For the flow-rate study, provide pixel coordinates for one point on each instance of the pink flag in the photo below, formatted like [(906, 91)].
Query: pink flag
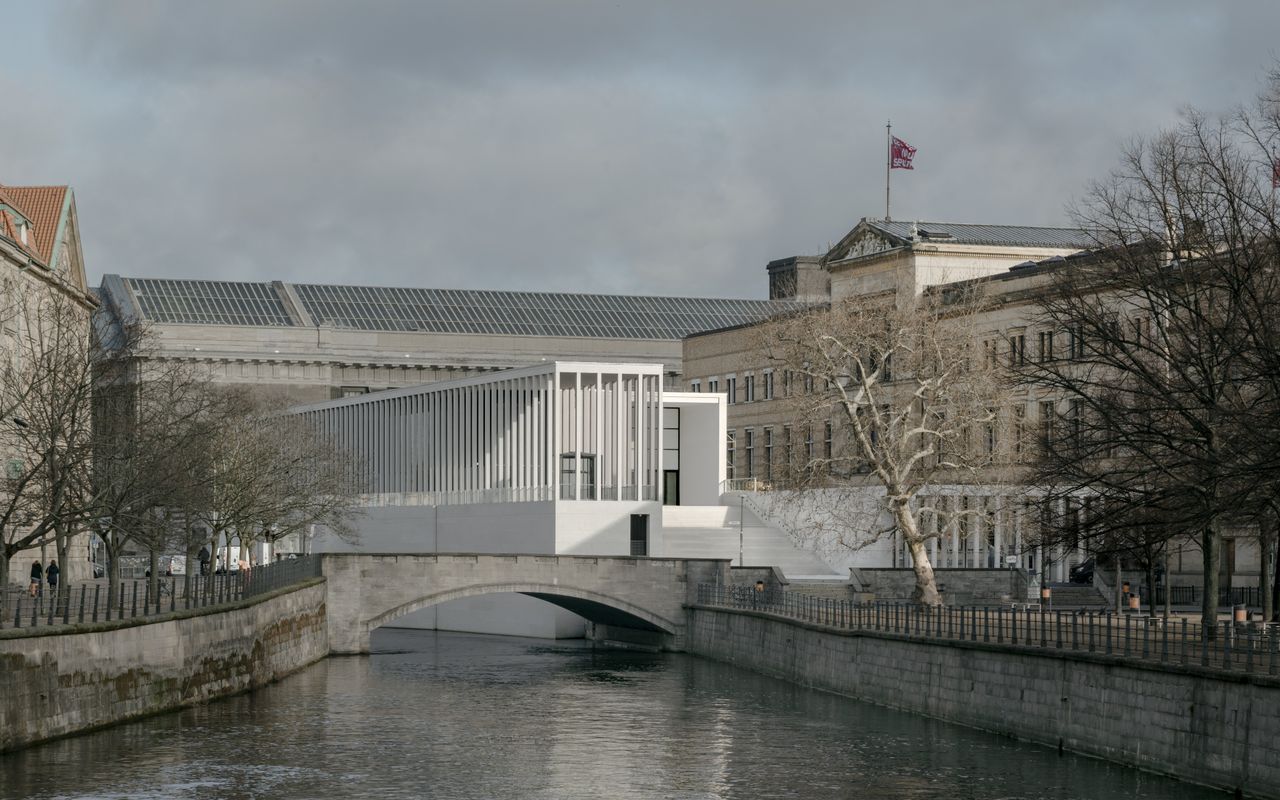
[(900, 154)]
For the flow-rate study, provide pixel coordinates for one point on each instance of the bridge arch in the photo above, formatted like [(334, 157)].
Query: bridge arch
[(590, 605)]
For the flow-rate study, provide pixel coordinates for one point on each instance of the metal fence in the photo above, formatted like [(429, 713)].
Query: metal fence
[(134, 599), (1190, 595), (1230, 646)]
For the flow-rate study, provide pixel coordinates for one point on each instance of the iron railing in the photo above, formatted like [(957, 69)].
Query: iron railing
[(88, 602), (1230, 646)]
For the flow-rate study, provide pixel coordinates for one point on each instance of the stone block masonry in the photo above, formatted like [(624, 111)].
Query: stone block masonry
[(55, 682), (1215, 729)]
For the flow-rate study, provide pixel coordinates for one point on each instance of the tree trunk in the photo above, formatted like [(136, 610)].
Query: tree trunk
[(1275, 595), (153, 582), (1168, 585), (926, 591), (1266, 543), (113, 570), (1119, 587), (1209, 540), (4, 582)]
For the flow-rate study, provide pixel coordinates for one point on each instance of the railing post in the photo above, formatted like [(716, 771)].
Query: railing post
[(133, 612), (1226, 645), (17, 613), (1108, 649), (80, 617), (97, 590)]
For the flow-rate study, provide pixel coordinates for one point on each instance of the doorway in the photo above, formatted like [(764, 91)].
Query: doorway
[(671, 487), (639, 534)]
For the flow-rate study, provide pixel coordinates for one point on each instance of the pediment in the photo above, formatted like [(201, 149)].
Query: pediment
[(864, 244)]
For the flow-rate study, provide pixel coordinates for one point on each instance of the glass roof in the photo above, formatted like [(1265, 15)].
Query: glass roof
[(523, 313), (209, 302), (461, 311)]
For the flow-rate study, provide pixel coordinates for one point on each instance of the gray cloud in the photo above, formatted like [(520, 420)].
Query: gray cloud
[(669, 148)]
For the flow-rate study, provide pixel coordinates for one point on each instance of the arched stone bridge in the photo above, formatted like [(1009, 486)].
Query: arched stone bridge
[(643, 597)]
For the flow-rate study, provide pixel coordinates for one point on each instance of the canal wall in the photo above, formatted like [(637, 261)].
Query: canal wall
[(1209, 728), (55, 682)]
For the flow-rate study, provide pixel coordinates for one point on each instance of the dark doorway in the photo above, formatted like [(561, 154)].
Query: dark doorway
[(671, 487), (639, 534)]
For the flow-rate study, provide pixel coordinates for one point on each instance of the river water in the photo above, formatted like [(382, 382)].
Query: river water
[(446, 715)]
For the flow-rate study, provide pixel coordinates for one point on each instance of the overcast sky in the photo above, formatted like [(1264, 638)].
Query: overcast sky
[(641, 147)]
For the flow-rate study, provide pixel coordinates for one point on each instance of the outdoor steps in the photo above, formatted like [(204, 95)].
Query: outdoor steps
[(762, 545), (1077, 597), (830, 588)]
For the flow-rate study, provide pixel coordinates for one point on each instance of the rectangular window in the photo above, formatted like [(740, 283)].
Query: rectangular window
[(729, 454), (588, 463), (808, 384), (1075, 343), (568, 466), (808, 446), (1046, 346), (768, 454), (989, 434), (749, 388), (768, 385), (713, 385), (731, 389), (695, 386), (1017, 350), (1047, 419), (1075, 423), (749, 456), (787, 378), (1019, 430), (788, 454), (826, 440), (988, 353)]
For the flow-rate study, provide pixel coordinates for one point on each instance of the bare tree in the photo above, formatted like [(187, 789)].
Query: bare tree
[(271, 474), (1168, 401), (902, 396), (45, 389)]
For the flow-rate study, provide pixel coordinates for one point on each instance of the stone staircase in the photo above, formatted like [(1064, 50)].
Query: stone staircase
[(713, 532), (1077, 597)]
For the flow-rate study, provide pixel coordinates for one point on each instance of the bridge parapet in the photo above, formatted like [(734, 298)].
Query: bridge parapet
[(368, 590)]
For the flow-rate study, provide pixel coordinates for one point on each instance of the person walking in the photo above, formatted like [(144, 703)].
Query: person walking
[(51, 575), (204, 560), (37, 575)]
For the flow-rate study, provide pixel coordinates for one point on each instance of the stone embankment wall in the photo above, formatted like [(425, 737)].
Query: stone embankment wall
[(54, 683), (1222, 731)]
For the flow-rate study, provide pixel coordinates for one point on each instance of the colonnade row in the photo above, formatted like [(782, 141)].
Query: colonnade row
[(510, 437), (977, 531)]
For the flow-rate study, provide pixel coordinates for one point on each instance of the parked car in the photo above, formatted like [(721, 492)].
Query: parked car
[(1082, 572)]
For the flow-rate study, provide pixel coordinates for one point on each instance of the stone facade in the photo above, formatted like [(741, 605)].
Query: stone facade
[(63, 681), (1191, 724)]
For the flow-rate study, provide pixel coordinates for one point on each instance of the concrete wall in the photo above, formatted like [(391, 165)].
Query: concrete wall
[(94, 675), (1194, 725), (702, 453), (959, 587)]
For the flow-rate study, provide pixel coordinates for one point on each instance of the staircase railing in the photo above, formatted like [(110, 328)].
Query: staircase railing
[(749, 502)]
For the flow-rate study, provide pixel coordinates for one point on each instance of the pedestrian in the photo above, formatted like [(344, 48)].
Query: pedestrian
[(51, 575), (37, 575), (204, 560)]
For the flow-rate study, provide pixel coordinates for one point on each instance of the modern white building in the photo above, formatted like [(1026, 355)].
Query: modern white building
[(560, 458)]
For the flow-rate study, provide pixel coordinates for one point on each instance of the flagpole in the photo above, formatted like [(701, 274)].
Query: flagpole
[(888, 159)]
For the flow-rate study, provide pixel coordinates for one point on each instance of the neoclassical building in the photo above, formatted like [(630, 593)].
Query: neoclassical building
[(313, 342), (879, 259)]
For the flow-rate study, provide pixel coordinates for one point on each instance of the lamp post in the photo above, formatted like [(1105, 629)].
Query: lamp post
[(742, 505)]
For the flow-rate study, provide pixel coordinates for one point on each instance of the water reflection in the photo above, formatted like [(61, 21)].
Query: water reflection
[(461, 716)]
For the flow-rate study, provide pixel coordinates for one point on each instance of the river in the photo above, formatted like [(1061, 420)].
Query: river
[(447, 715)]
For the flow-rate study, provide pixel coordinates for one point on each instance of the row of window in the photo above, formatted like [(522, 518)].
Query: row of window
[(747, 389), (742, 451), (776, 452), (1074, 341)]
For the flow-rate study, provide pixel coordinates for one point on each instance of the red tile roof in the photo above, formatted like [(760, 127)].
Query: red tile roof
[(42, 205)]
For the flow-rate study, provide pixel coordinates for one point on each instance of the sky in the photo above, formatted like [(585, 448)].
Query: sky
[(644, 147)]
